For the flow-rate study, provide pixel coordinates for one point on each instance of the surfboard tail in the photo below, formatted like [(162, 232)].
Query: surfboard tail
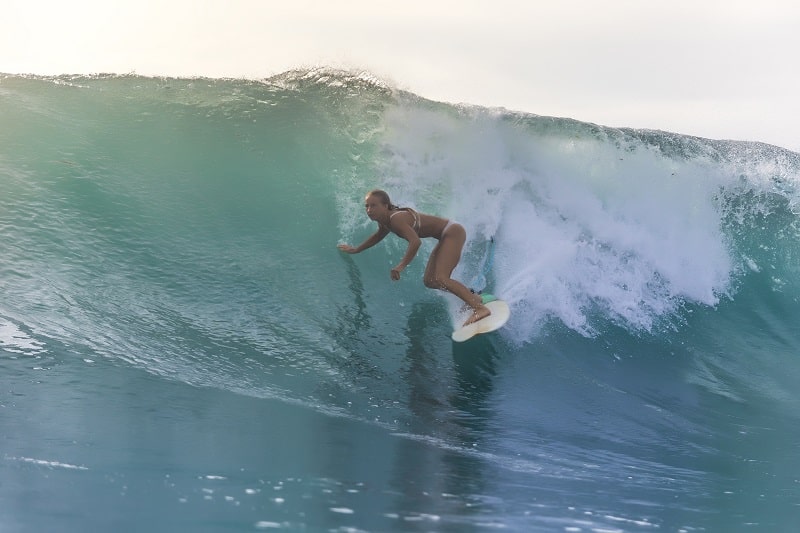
[(500, 315)]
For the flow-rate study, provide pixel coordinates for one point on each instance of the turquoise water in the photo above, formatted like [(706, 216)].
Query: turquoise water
[(182, 346)]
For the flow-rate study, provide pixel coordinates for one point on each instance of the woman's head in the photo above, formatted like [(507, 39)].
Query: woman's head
[(381, 196), (377, 203)]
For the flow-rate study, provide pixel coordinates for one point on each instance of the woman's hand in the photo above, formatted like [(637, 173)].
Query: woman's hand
[(395, 273), (346, 248)]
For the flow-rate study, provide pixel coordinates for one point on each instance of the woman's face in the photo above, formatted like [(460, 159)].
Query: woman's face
[(376, 210)]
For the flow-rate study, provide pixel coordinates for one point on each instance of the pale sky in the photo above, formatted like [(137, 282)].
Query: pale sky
[(723, 69)]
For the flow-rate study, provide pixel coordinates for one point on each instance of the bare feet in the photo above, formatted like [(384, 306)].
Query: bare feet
[(479, 313)]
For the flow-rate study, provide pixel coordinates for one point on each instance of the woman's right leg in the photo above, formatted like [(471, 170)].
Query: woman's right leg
[(443, 260)]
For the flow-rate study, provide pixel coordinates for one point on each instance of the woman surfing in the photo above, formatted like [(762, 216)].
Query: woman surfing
[(413, 227)]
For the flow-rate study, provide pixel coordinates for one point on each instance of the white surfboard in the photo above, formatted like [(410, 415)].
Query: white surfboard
[(498, 318)]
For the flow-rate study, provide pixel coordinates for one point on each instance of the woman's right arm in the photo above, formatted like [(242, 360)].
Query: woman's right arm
[(371, 241)]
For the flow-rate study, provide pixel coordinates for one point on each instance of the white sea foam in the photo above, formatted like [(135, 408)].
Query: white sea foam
[(589, 227), (14, 340)]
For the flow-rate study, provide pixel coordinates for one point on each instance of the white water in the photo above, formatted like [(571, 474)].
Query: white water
[(588, 228)]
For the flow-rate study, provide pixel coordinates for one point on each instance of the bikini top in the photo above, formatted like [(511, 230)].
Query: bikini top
[(416, 224)]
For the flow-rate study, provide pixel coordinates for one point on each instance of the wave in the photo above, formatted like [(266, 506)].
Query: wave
[(594, 227), (187, 227)]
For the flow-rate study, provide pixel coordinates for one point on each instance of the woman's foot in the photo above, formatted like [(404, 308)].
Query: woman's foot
[(480, 312)]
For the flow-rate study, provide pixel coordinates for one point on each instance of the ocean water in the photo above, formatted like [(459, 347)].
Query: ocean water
[(183, 348)]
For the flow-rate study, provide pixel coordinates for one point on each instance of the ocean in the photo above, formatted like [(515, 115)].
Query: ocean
[(184, 348)]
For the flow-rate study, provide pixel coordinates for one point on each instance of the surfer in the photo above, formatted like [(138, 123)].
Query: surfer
[(414, 226)]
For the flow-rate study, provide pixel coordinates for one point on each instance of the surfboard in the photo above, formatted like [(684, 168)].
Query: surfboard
[(498, 318)]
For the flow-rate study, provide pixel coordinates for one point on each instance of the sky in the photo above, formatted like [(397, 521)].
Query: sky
[(711, 68)]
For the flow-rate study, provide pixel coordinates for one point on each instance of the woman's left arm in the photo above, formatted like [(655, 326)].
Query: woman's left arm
[(404, 230)]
